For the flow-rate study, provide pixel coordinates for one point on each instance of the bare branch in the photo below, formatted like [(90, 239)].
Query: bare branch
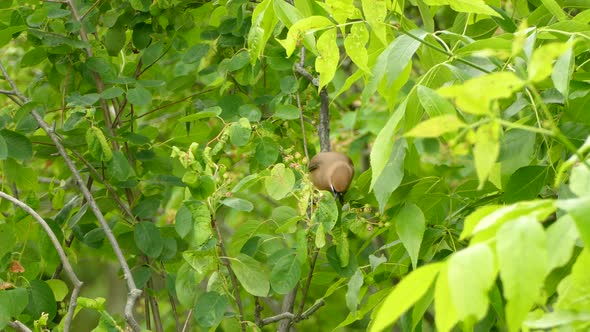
[(15, 90), (288, 304), (61, 253), (324, 126), (303, 72), (307, 283), (284, 315), (17, 325), (302, 125)]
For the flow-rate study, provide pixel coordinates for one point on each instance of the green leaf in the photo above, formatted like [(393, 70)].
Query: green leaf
[(384, 143), (493, 216), (393, 61), (209, 112), (12, 304), (41, 300), (263, 23), (267, 152), (563, 71), (118, 168), (354, 287), (238, 61), (25, 178), (469, 291), (238, 204), (465, 6), (326, 213), (19, 146), (114, 40), (251, 275), (59, 289), (210, 309), (404, 295), (525, 184), (392, 175), (326, 62), (193, 218), (6, 34), (486, 150), (139, 96), (280, 182), (561, 239), (250, 112), (286, 112), (98, 147), (239, 132), (3, 148), (555, 9), (375, 12), (33, 57), (573, 290), (476, 95), (433, 103), (112, 92), (285, 273), (141, 5), (355, 46), (522, 258), (148, 239), (446, 314), (410, 225), (436, 126), (541, 64), (302, 27), (580, 180)]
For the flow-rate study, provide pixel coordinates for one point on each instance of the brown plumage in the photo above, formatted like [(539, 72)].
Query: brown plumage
[(331, 171)]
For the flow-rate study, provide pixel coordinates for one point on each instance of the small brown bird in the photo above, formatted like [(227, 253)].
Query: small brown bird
[(331, 171)]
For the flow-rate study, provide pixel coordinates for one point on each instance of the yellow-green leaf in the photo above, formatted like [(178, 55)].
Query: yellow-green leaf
[(300, 28), (375, 12), (404, 295), (465, 6), (326, 62), (476, 95), (436, 126), (354, 44), (485, 150), (97, 144), (541, 64)]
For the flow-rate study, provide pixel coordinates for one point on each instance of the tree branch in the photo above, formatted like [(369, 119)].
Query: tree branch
[(287, 308), (307, 283), (279, 317), (134, 292), (17, 325), (61, 253)]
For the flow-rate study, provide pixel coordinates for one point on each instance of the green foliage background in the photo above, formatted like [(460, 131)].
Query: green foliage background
[(190, 123)]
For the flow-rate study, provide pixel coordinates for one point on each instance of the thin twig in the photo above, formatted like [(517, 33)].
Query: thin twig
[(89, 9), (17, 325), (61, 253), (7, 92), (307, 283), (187, 321), (232, 276), (110, 188), (302, 125), (257, 310), (171, 299), (171, 104)]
